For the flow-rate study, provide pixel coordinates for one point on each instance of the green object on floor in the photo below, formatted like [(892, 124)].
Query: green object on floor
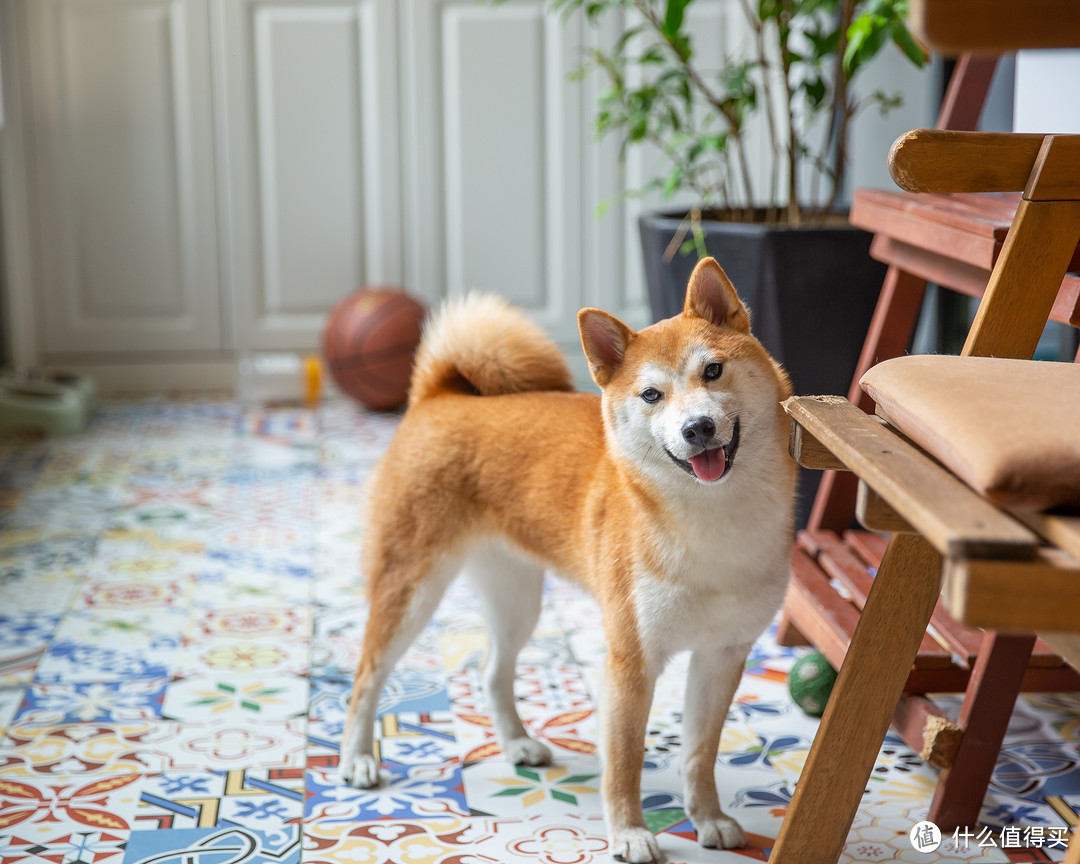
[(810, 682), (59, 405)]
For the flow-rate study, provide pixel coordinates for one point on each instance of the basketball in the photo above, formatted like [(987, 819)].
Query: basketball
[(369, 342)]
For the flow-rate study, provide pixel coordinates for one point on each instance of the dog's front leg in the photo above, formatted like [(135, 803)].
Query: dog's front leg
[(710, 687), (628, 693)]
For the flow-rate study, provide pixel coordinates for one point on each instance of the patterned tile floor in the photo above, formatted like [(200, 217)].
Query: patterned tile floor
[(180, 610)]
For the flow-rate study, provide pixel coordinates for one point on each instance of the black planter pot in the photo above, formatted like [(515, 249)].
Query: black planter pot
[(811, 292)]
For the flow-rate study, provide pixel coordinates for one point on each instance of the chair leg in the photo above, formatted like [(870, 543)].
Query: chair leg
[(787, 633), (1073, 855), (857, 717), (984, 717)]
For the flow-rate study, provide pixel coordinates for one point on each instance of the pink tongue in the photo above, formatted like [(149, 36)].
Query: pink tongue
[(709, 464)]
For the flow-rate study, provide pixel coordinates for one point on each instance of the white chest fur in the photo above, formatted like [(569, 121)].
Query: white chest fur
[(724, 581)]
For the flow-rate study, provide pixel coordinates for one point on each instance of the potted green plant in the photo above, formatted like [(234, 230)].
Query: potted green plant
[(798, 263)]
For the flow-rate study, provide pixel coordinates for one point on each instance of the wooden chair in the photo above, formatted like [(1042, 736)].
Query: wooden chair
[(953, 240), (946, 532)]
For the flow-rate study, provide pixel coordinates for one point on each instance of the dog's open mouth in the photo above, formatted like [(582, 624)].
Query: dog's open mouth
[(713, 463)]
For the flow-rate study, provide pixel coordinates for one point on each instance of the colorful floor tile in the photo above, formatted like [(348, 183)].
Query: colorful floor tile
[(181, 610)]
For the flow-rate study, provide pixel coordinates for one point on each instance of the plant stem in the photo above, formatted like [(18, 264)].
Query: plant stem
[(841, 113), (726, 111), (793, 210), (767, 92)]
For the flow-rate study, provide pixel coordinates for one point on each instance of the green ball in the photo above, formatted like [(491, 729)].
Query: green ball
[(810, 682)]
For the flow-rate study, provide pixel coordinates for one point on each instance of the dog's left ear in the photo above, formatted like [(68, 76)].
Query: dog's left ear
[(604, 339), (710, 295)]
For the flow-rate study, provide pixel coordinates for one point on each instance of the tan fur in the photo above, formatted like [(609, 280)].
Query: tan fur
[(479, 344), (550, 474)]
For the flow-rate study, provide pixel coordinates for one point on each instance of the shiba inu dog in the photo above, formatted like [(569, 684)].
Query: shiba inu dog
[(669, 496)]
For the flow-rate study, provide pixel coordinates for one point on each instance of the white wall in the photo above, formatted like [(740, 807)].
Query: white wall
[(463, 157), (1047, 95)]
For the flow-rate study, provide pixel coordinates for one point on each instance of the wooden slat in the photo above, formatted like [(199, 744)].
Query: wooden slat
[(916, 229), (840, 563), (952, 27), (1066, 644), (964, 641), (945, 630), (1015, 596), (934, 267), (868, 545), (1063, 531), (927, 730), (1026, 280), (1037, 679), (965, 278), (955, 520), (809, 452), (874, 512), (826, 619), (1062, 679), (832, 629), (937, 160), (986, 215)]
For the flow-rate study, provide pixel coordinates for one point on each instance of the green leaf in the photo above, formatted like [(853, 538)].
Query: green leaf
[(673, 17), (768, 9), (906, 43), (866, 35), (673, 182), (514, 790), (620, 46), (815, 91)]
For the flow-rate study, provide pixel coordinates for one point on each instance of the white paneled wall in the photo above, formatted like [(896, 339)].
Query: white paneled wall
[(207, 177), (499, 133), (123, 147), (309, 115)]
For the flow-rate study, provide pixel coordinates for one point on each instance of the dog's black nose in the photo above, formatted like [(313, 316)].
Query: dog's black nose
[(700, 430)]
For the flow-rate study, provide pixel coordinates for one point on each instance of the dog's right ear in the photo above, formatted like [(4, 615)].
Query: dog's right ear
[(710, 295), (604, 338)]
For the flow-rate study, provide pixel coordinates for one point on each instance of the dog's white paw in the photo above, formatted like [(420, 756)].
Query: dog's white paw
[(635, 846), (361, 771), (722, 832), (526, 751)]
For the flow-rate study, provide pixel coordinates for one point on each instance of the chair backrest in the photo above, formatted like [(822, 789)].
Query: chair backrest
[(1043, 238)]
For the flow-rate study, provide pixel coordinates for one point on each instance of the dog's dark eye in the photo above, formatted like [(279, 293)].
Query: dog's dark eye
[(713, 370), (651, 395)]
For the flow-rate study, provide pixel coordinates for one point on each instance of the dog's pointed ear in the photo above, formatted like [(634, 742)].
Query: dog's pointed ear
[(604, 338), (710, 295)]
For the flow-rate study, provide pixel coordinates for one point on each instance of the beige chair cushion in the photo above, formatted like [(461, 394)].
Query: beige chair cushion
[(1010, 429)]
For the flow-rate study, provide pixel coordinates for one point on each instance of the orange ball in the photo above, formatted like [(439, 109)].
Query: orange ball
[(369, 342)]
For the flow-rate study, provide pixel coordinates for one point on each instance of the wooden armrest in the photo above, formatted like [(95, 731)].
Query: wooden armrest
[(1044, 167), (955, 520)]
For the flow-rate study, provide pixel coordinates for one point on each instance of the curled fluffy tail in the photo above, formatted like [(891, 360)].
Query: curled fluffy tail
[(479, 344)]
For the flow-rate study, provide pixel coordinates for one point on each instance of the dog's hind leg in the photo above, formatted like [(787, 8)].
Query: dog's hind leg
[(402, 602), (510, 589)]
